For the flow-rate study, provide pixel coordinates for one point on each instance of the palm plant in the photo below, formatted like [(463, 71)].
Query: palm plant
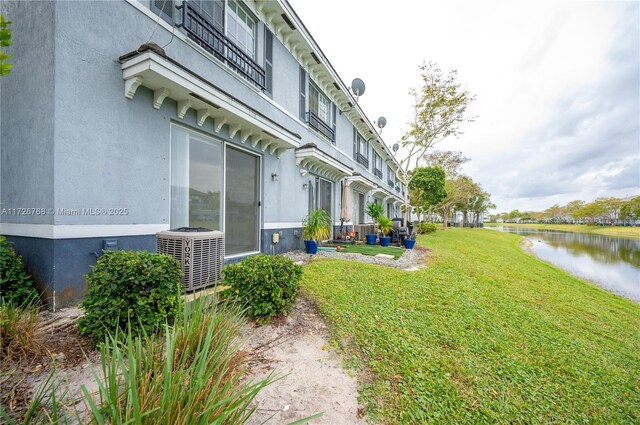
[(374, 210), (316, 226), (385, 225)]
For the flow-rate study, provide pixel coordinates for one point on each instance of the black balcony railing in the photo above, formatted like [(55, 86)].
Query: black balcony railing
[(362, 160), (321, 126), (377, 173), (398, 189), (203, 32), (391, 183)]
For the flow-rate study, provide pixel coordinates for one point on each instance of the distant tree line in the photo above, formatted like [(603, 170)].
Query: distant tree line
[(602, 211)]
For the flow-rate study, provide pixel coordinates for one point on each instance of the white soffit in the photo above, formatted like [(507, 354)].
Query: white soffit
[(360, 183), (318, 162), (166, 79)]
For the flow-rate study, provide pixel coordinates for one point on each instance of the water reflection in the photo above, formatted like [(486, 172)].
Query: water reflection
[(612, 262)]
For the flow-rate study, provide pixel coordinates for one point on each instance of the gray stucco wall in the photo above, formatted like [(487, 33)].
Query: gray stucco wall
[(27, 112), (71, 140)]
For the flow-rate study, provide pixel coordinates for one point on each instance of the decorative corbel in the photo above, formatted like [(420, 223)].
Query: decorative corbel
[(131, 85), (203, 114), (218, 122), (183, 107), (233, 130), (159, 96)]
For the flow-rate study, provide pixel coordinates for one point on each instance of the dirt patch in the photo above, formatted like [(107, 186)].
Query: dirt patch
[(294, 347), (312, 380)]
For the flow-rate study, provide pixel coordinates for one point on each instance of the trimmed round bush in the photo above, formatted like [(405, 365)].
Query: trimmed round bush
[(268, 284), (426, 228), (16, 286), (131, 287)]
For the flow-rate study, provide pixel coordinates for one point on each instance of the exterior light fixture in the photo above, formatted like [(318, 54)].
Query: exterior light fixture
[(274, 177), (305, 186)]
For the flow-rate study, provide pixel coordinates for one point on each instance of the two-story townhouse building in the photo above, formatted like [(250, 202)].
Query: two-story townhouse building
[(124, 118)]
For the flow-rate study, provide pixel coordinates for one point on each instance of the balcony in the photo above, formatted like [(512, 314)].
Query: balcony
[(316, 123), (391, 183), (215, 42), (377, 173), (398, 189), (362, 160)]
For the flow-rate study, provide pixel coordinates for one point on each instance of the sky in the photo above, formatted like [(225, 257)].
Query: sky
[(557, 86)]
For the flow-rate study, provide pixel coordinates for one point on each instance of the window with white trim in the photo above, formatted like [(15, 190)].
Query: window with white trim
[(241, 28), (360, 149), (321, 112)]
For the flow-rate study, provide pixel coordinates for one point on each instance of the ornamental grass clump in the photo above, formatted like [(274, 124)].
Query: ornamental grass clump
[(192, 375), (133, 287), (20, 340), (267, 284)]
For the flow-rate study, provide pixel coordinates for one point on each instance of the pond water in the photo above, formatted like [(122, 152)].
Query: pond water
[(613, 263)]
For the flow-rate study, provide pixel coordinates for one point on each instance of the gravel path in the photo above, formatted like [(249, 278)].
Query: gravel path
[(411, 259)]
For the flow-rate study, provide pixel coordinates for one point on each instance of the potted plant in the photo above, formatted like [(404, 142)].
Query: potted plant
[(315, 227), (374, 211), (410, 241), (385, 225)]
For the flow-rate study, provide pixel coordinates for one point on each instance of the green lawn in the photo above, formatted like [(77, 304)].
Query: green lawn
[(372, 250), (484, 334), (626, 232)]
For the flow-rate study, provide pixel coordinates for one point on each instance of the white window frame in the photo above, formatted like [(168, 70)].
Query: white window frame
[(249, 16)]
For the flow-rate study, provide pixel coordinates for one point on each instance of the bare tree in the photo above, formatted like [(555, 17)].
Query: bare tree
[(439, 110)]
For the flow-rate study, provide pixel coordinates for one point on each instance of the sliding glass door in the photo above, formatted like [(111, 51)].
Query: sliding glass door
[(242, 207), (202, 169)]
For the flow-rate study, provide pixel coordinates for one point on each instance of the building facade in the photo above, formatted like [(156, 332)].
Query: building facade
[(124, 118)]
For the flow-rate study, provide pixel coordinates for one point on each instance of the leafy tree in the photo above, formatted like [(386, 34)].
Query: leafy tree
[(457, 190), (5, 41), (427, 186), (450, 161), (630, 210), (440, 108), (572, 209)]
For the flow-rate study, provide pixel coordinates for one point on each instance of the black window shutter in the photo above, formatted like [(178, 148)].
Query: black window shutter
[(355, 143), (268, 60), (303, 94), (333, 120)]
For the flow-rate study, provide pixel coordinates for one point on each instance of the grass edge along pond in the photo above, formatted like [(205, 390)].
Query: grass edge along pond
[(485, 333), (617, 231)]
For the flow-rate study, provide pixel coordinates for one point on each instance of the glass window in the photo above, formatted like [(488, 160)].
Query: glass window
[(362, 146), (241, 28), (196, 180), (319, 104), (324, 195)]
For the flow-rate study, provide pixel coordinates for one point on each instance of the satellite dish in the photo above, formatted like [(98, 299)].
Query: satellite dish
[(395, 147), (357, 87), (382, 121)]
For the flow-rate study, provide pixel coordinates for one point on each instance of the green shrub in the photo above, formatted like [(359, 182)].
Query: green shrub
[(16, 286), (139, 286), (267, 283), (426, 228)]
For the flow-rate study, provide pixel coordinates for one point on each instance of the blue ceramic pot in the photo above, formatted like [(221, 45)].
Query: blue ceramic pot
[(409, 243), (385, 240), (371, 239), (311, 246)]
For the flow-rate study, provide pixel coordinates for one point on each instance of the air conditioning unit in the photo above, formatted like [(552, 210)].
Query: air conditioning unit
[(362, 230), (199, 251)]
